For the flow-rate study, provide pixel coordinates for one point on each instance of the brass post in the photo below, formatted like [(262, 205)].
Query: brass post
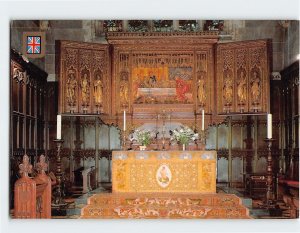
[(270, 188), (58, 197)]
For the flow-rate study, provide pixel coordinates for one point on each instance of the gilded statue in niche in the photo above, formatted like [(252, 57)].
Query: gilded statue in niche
[(71, 88), (98, 89), (242, 88), (228, 89), (255, 87), (201, 89), (85, 89), (124, 89)]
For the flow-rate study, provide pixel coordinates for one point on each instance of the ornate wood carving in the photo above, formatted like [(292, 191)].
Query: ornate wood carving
[(32, 196), (170, 70), (156, 38), (84, 77), (243, 77), (154, 71), (25, 167)]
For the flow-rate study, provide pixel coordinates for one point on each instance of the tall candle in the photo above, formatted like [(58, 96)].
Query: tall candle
[(202, 119), (124, 120), (269, 126), (58, 127)]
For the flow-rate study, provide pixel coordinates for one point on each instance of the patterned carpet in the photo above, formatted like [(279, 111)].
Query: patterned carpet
[(164, 205)]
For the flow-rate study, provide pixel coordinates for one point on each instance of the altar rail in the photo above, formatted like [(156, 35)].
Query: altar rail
[(33, 195)]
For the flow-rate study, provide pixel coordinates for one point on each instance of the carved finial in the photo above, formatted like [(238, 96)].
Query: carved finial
[(25, 167), (42, 165)]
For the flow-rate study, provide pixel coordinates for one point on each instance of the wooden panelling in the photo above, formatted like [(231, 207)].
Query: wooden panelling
[(28, 121)]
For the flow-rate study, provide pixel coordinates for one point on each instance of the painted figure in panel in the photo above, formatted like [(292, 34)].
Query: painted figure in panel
[(85, 90), (98, 90), (71, 89), (201, 90), (124, 89), (255, 87), (227, 89), (242, 88)]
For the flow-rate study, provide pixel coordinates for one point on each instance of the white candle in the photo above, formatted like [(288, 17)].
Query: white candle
[(269, 126), (202, 119), (58, 127), (124, 120)]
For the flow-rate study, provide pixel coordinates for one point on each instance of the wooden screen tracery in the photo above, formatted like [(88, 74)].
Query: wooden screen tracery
[(84, 72), (243, 77)]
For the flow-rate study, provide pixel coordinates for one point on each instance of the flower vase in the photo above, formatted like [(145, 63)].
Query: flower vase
[(143, 147), (183, 147)]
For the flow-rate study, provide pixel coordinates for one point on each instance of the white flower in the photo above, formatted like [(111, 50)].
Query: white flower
[(184, 135)]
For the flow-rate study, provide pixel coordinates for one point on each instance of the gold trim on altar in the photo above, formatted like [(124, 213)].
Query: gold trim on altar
[(164, 171)]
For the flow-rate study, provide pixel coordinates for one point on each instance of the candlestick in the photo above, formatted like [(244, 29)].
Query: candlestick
[(124, 120), (270, 187), (58, 201), (58, 127), (269, 126), (202, 119)]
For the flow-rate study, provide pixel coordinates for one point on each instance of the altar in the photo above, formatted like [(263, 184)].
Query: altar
[(164, 171)]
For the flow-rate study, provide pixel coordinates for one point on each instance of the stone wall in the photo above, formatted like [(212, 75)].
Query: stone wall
[(292, 41), (16, 37), (76, 30), (262, 29)]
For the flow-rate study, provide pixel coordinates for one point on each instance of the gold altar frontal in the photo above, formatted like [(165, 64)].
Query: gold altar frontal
[(164, 171)]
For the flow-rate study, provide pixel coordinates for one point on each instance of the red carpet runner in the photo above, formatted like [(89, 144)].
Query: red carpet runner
[(165, 205)]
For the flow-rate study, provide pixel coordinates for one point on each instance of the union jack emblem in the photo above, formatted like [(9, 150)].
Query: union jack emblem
[(33, 44)]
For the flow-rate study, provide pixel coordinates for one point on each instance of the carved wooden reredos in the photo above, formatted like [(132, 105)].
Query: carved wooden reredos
[(180, 73), (84, 71)]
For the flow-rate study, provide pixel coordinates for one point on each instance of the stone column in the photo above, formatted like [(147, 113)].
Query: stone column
[(175, 25), (98, 27), (86, 180), (125, 25), (200, 25), (150, 25)]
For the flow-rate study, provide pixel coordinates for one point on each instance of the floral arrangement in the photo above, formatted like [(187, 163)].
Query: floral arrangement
[(184, 135), (143, 137)]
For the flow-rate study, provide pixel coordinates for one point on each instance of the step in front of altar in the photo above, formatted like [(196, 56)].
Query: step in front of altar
[(165, 205)]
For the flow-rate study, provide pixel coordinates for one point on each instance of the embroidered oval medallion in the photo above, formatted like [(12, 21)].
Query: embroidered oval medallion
[(163, 176)]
